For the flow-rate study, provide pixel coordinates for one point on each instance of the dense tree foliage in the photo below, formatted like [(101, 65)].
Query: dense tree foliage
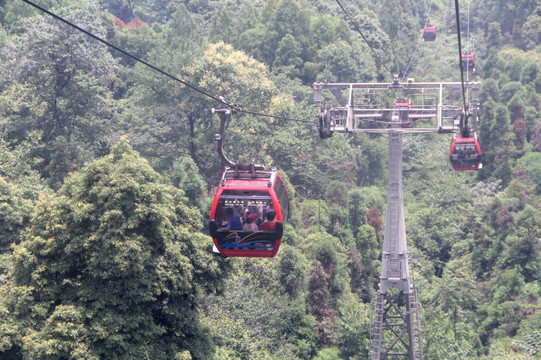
[(15, 213), (112, 265), (65, 75), (107, 171)]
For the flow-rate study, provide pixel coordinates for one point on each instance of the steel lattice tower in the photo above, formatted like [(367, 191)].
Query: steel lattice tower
[(395, 329), (395, 332)]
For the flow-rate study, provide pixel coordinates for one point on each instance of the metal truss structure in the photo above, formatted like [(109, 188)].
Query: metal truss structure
[(368, 110), (395, 329)]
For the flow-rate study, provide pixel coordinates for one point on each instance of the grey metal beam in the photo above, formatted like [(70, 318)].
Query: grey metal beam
[(396, 304), (412, 85)]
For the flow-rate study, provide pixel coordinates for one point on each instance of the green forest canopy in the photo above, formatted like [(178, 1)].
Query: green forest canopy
[(107, 170)]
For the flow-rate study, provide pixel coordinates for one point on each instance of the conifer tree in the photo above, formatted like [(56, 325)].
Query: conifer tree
[(111, 267), (14, 214)]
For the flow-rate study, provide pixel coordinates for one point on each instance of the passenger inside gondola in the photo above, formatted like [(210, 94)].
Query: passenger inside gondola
[(250, 225), (250, 204), (270, 223), (465, 155), (242, 232), (429, 33), (233, 221), (245, 214), (467, 63)]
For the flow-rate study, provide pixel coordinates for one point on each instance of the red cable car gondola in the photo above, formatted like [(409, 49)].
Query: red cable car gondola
[(258, 195), (250, 207), (429, 33), (465, 153), (401, 108), (467, 63)]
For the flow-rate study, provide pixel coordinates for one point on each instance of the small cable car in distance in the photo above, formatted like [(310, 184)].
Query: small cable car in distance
[(467, 62), (429, 33), (250, 207), (465, 153), (400, 114), (258, 197)]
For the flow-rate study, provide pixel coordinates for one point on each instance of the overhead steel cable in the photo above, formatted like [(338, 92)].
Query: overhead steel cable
[(364, 38), (460, 53), (193, 87), (468, 45), (255, 113), (418, 42)]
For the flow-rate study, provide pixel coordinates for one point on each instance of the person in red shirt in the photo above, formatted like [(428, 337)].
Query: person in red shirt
[(270, 223)]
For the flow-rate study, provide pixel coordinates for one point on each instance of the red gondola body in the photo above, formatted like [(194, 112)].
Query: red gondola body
[(257, 193), (401, 109), (465, 153), (429, 33), (467, 64)]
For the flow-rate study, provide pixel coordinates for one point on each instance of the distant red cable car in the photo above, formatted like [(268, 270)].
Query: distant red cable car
[(429, 33), (467, 63), (254, 196), (401, 109), (465, 153)]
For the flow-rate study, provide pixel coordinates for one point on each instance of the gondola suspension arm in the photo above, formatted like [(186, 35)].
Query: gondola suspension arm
[(225, 117)]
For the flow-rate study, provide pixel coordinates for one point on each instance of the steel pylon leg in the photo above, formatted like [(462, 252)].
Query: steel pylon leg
[(395, 331)]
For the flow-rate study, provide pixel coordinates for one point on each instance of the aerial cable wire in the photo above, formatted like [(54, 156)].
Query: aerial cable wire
[(364, 38), (469, 46), (460, 52), (123, 51), (193, 87), (418, 42)]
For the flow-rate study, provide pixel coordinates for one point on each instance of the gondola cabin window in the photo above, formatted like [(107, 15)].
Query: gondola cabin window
[(467, 63), (465, 153), (256, 203), (248, 214), (429, 33)]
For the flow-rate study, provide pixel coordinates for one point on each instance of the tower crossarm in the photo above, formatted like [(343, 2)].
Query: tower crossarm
[(430, 106), (394, 109)]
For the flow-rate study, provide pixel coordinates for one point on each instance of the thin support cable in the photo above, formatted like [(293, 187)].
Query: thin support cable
[(469, 48), (418, 43), (193, 87), (460, 52), (364, 38)]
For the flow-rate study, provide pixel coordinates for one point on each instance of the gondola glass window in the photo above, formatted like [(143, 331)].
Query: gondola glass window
[(257, 203), (465, 153), (243, 199)]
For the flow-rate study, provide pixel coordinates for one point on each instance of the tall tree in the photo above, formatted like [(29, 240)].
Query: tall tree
[(174, 120), (14, 214), (343, 62), (509, 14), (112, 266), (400, 24), (360, 201), (497, 141), (186, 176), (67, 74), (292, 272)]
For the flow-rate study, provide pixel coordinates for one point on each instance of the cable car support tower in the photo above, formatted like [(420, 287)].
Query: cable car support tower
[(395, 329)]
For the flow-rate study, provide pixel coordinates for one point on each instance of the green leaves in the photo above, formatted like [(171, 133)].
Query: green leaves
[(65, 336), (113, 264), (65, 77), (113, 244), (14, 214)]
